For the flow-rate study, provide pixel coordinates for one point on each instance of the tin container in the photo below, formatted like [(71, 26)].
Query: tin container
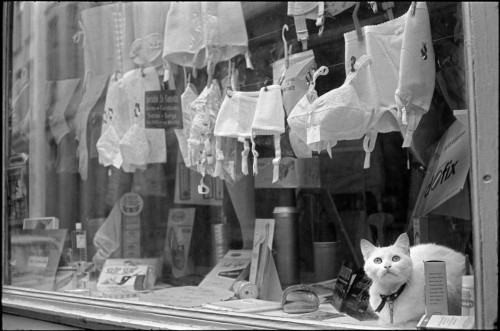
[(286, 242), (245, 290)]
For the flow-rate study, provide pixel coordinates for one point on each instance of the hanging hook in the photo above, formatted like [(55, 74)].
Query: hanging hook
[(353, 61), (142, 72), (322, 71), (355, 19), (203, 188), (285, 27)]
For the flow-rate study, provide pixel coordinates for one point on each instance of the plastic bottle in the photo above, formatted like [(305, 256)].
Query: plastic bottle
[(79, 244)]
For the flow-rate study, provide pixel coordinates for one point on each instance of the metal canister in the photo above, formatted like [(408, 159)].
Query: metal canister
[(245, 290), (286, 240), (220, 244)]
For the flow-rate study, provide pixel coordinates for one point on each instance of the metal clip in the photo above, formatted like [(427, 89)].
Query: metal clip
[(413, 7)]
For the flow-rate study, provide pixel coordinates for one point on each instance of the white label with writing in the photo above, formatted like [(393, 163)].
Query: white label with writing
[(38, 261)]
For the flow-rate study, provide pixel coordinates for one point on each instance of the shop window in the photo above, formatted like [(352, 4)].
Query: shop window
[(174, 154)]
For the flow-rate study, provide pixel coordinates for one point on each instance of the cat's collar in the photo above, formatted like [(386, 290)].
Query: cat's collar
[(389, 297)]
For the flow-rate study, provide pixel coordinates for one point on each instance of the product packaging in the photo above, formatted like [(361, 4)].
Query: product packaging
[(128, 276), (179, 231), (436, 290), (446, 322), (131, 205), (468, 295), (234, 266)]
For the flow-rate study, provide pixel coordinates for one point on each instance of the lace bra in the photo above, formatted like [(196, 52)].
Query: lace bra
[(337, 115)]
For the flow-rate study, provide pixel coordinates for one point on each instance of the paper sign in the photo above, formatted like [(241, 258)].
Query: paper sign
[(163, 110), (447, 171)]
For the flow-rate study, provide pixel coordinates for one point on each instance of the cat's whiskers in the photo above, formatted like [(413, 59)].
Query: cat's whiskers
[(400, 274)]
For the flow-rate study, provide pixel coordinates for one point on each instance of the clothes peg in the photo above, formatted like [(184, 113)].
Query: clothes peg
[(373, 6), (387, 6), (320, 21), (413, 7), (356, 22)]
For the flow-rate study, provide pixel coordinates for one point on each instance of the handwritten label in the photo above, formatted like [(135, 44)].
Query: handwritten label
[(163, 110), (38, 261)]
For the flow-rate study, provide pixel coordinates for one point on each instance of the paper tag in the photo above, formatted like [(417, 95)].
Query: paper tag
[(313, 134), (38, 261)]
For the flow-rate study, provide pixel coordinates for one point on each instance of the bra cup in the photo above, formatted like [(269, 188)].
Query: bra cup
[(340, 113), (108, 146), (134, 146)]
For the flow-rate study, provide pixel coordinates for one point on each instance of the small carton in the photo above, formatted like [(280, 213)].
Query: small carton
[(444, 322), (235, 265), (436, 290), (126, 278)]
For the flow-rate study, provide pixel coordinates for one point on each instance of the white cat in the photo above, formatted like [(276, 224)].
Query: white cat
[(392, 266)]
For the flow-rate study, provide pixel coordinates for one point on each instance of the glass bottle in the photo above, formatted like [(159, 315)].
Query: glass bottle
[(79, 243)]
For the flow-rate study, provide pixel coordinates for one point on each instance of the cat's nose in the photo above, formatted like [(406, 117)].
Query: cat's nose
[(387, 266)]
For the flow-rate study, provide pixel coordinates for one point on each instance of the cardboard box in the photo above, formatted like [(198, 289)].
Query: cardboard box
[(178, 241), (235, 265), (41, 223), (131, 205), (436, 290), (446, 322), (126, 277), (155, 263)]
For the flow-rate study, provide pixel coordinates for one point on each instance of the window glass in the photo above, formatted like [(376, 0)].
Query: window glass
[(160, 151)]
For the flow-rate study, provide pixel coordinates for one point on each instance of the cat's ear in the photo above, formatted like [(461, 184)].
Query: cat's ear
[(403, 242), (366, 248)]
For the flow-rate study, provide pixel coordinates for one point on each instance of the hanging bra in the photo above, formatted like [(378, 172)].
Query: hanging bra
[(108, 145), (269, 119), (187, 98), (235, 120), (337, 115), (134, 147)]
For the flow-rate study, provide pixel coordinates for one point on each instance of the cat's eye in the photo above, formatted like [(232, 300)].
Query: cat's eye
[(396, 258), (378, 260)]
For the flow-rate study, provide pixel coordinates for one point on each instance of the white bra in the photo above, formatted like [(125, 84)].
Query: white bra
[(337, 115)]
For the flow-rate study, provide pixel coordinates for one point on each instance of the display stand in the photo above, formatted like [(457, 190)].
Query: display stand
[(263, 272)]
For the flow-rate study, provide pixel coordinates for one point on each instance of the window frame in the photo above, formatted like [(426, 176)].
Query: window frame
[(482, 86)]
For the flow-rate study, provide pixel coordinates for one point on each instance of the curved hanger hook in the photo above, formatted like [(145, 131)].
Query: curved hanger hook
[(285, 27), (203, 188), (322, 71)]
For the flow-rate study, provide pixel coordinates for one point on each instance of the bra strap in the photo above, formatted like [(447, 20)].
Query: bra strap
[(244, 156), (255, 156), (368, 145), (277, 158), (219, 157)]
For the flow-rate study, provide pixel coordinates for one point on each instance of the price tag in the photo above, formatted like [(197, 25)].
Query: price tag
[(313, 134)]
